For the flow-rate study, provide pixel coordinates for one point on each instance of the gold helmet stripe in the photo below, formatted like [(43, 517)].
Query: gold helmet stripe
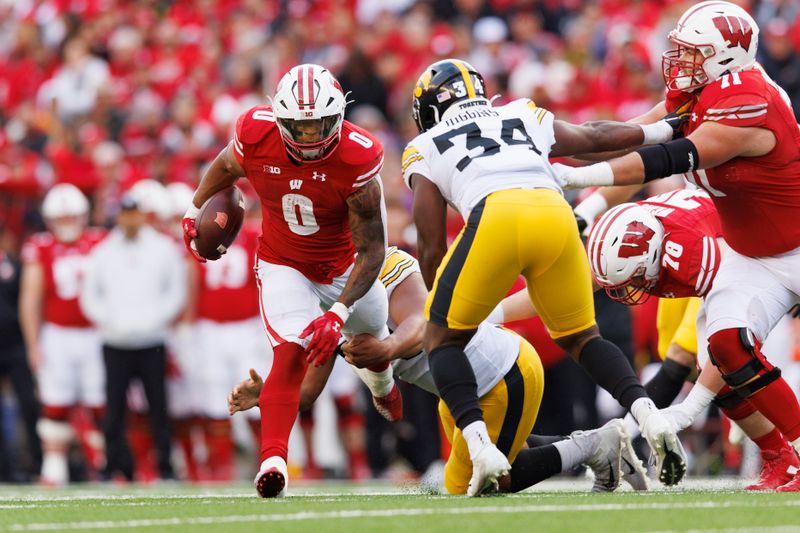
[(467, 79)]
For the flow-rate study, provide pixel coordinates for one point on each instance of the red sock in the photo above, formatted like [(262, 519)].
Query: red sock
[(280, 398), (183, 434), (379, 367), (141, 441), (220, 449), (772, 441), (776, 401)]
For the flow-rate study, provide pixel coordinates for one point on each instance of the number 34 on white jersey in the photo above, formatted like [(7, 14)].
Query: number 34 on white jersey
[(478, 148)]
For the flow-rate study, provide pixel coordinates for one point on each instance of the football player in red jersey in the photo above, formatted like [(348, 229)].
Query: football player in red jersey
[(322, 243), (742, 146), (63, 347), (668, 246)]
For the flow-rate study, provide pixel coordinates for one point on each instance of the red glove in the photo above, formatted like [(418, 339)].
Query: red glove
[(189, 233), (327, 330)]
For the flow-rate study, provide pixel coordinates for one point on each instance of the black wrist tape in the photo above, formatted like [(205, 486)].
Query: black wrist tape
[(665, 159)]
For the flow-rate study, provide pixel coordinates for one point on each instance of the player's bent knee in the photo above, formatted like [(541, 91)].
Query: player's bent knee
[(744, 368), (574, 343)]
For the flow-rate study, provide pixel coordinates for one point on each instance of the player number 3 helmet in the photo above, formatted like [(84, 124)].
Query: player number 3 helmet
[(309, 109), (441, 85), (66, 212), (624, 250), (712, 39)]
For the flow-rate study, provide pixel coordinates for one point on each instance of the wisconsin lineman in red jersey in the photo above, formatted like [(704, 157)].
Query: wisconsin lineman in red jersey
[(668, 246), (322, 243), (742, 145), (63, 347)]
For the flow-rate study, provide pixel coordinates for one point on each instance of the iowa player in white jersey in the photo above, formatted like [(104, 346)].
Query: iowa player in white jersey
[(491, 164)]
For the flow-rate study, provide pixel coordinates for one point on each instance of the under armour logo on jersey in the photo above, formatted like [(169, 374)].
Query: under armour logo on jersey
[(295, 184), (318, 176), (694, 117), (636, 240), (735, 30), (272, 170)]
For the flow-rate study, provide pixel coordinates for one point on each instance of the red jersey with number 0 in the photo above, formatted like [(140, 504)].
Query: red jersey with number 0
[(690, 254), (228, 290), (304, 206), (63, 266), (758, 198)]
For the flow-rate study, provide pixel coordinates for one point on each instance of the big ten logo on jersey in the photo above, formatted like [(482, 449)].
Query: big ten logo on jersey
[(269, 169), (231, 271), (68, 275)]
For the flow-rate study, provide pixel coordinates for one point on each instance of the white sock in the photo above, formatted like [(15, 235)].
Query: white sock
[(642, 409), (571, 454), (476, 436), (697, 400), (379, 383)]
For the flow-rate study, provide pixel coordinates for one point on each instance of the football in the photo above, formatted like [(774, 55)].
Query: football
[(219, 222)]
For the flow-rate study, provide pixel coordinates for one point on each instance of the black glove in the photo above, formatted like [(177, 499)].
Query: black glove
[(678, 118)]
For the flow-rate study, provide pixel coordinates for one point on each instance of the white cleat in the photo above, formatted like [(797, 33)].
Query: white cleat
[(272, 478), (667, 448), (489, 465), (606, 442), (633, 471)]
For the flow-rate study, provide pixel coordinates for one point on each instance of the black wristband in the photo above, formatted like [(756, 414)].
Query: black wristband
[(665, 159)]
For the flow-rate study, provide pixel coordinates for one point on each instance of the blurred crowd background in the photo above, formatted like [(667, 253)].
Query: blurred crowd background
[(103, 94)]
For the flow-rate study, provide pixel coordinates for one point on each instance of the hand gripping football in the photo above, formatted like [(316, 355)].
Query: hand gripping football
[(218, 223)]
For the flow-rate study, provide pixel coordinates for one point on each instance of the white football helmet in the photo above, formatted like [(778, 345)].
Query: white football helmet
[(66, 212), (152, 198), (725, 36), (309, 109), (624, 249)]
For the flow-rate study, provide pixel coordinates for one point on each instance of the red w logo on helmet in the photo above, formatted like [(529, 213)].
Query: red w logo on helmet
[(735, 30), (636, 240)]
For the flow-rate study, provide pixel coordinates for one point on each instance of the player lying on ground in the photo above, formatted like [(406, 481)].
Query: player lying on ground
[(491, 163), (510, 384), (742, 145)]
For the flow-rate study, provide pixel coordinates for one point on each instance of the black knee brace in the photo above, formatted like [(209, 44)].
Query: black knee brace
[(753, 375)]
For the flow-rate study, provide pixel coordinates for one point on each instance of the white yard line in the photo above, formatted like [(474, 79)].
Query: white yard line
[(388, 513)]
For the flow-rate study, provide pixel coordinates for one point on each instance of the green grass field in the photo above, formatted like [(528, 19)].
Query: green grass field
[(553, 506)]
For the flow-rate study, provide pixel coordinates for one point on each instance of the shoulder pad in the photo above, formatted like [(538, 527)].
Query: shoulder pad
[(747, 82), (358, 147), (254, 124), (396, 265)]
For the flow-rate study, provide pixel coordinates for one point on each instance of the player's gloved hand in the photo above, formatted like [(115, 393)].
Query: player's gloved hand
[(678, 418), (190, 231), (326, 329), (679, 117)]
